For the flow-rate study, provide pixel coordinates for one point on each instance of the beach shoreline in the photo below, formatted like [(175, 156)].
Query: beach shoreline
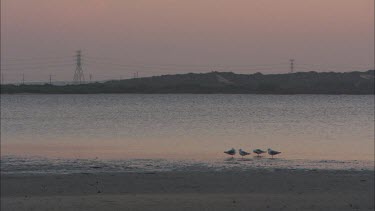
[(255, 189)]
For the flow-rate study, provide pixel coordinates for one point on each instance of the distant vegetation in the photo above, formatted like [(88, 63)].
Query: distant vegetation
[(220, 82)]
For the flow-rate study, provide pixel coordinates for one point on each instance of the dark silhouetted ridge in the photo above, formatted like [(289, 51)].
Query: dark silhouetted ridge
[(220, 82)]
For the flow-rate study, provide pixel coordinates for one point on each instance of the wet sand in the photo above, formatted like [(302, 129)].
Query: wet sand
[(263, 189)]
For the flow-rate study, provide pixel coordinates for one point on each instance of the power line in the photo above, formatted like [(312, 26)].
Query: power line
[(63, 62), (113, 67), (173, 69), (115, 63), (4, 58), (35, 67)]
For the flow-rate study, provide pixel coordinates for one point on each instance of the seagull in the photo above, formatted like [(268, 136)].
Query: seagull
[(272, 152), (230, 152), (258, 151), (243, 153)]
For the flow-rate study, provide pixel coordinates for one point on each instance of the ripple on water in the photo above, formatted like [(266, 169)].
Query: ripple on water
[(41, 165)]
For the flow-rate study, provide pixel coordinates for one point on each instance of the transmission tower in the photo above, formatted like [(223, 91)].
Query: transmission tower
[(291, 65), (50, 79), (78, 74)]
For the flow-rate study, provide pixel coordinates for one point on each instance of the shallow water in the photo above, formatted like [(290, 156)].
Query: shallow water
[(41, 165), (185, 127)]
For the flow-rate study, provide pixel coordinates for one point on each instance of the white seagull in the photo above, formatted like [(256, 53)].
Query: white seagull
[(258, 151), (243, 153), (230, 152), (272, 152)]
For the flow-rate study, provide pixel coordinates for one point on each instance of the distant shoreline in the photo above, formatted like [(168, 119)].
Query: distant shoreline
[(311, 83)]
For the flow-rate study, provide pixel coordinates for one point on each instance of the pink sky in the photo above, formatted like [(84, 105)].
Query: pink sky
[(119, 37)]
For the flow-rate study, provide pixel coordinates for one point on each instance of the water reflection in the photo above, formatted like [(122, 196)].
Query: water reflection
[(187, 126)]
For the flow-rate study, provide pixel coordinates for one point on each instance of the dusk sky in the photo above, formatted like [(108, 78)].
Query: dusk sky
[(153, 37)]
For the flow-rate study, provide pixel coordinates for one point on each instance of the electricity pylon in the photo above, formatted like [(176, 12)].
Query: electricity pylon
[(79, 77)]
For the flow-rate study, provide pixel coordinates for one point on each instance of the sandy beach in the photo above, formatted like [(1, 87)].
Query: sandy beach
[(263, 189)]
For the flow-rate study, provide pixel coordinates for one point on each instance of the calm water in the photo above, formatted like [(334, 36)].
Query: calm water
[(183, 127)]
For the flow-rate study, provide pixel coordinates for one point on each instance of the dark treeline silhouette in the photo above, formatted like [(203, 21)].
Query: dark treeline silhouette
[(220, 82)]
